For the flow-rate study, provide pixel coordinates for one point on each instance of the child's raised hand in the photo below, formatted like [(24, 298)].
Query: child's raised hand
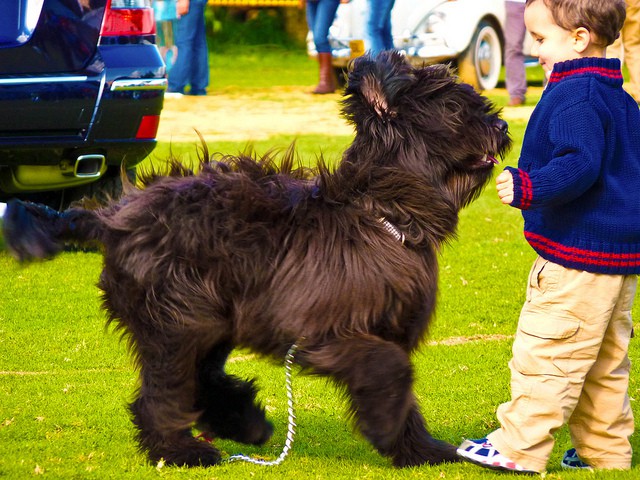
[(504, 185)]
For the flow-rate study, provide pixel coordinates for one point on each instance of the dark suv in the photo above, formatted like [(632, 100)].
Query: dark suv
[(81, 90)]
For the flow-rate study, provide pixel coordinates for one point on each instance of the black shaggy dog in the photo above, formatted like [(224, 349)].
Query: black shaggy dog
[(247, 254)]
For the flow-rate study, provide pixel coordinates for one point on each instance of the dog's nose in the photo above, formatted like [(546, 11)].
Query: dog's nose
[(502, 126)]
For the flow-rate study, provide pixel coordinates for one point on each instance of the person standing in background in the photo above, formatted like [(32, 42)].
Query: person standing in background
[(515, 31), (320, 16), (192, 65), (166, 14), (379, 26), (627, 48)]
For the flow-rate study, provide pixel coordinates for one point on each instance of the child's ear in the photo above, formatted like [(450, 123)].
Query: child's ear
[(582, 39)]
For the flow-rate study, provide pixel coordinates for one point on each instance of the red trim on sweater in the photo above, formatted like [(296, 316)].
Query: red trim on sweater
[(605, 72), (579, 255), (527, 190)]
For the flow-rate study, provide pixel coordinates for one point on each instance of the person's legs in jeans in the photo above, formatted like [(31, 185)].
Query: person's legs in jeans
[(515, 30), (379, 26), (311, 10), (320, 16), (200, 69), (185, 35)]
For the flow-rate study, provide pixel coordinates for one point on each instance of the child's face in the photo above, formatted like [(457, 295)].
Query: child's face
[(552, 43)]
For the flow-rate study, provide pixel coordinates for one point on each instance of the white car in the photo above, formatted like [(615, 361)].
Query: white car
[(467, 33)]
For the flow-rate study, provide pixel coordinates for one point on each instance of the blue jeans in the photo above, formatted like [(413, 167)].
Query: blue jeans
[(379, 26), (192, 64), (320, 16)]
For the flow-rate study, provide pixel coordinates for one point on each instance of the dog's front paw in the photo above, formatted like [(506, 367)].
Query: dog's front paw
[(254, 432), (261, 433)]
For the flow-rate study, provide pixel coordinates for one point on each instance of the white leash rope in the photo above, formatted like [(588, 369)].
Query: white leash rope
[(291, 422)]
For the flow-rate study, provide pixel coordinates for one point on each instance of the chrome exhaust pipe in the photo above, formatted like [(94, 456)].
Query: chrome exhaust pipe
[(89, 166)]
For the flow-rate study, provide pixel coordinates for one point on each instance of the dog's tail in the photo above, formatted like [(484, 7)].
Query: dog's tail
[(33, 231)]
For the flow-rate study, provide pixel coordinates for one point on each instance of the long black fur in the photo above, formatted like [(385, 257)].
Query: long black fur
[(249, 254)]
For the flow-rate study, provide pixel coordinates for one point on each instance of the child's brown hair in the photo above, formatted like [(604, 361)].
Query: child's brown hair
[(603, 18)]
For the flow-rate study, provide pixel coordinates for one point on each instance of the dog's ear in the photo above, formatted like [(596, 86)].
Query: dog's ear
[(377, 81), (373, 93)]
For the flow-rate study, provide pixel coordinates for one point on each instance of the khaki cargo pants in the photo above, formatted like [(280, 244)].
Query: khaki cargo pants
[(570, 366)]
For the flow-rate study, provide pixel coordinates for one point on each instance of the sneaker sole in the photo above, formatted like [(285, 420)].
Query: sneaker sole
[(499, 468), (574, 467)]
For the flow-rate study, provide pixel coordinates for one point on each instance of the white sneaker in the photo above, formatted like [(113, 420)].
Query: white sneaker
[(482, 453)]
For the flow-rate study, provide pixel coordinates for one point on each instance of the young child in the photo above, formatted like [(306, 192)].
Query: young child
[(577, 186)]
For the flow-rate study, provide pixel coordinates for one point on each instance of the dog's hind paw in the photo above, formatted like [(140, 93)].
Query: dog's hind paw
[(434, 452), (197, 454)]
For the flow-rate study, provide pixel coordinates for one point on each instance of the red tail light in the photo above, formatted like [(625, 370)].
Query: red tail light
[(148, 128), (128, 17)]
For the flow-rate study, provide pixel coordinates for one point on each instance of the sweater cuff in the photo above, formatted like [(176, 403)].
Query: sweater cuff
[(522, 189)]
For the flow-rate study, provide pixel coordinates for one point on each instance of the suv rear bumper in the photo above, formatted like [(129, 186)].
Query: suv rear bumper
[(120, 125), (35, 172)]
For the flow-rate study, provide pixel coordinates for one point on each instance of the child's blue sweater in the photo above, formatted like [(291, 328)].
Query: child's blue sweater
[(578, 177)]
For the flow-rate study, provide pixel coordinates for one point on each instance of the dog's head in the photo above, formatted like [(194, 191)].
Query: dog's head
[(425, 121)]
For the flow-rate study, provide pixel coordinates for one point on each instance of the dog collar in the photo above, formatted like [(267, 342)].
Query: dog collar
[(392, 229)]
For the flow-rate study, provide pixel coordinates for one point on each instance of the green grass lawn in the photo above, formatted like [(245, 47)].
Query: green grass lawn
[(65, 380)]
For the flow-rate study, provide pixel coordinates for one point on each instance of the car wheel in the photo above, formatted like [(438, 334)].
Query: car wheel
[(480, 64)]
